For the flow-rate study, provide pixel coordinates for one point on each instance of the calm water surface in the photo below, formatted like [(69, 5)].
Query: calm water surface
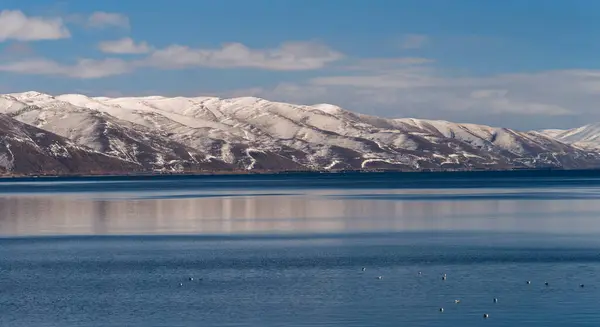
[(288, 250)]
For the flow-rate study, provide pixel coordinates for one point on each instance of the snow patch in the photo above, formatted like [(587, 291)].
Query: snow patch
[(252, 160), (7, 160), (58, 150), (332, 164)]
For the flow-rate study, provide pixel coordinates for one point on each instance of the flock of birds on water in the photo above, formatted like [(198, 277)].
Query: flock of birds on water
[(485, 315), (444, 277)]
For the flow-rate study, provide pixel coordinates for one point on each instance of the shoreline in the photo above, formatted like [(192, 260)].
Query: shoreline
[(135, 175)]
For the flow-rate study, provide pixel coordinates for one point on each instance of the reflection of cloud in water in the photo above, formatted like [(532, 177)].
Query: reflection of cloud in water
[(268, 213)]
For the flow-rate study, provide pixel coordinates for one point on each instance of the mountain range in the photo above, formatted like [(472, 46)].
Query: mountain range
[(76, 134)]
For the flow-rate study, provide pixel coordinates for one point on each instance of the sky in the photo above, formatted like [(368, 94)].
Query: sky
[(524, 64)]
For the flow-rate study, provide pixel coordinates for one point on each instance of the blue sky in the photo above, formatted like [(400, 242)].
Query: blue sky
[(515, 63)]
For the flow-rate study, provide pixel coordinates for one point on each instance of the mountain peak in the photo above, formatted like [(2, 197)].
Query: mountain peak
[(29, 95)]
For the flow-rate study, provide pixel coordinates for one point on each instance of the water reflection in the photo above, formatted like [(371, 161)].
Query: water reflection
[(301, 212)]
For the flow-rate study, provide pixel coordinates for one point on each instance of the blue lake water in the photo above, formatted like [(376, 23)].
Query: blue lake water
[(288, 250)]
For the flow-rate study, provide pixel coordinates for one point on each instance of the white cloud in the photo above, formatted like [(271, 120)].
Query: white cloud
[(124, 46), (288, 56), (15, 25), (414, 41), (83, 68), (102, 19), (292, 56)]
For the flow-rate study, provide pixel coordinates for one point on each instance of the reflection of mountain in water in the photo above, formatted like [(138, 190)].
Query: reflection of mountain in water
[(35, 215)]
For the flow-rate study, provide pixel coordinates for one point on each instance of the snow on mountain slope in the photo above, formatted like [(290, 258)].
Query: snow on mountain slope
[(498, 140), (106, 134), (208, 124), (253, 133), (552, 133), (584, 137), (143, 144), (204, 135), (189, 122), (25, 149)]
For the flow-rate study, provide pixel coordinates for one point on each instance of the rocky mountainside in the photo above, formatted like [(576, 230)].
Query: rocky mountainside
[(25, 149), (212, 134)]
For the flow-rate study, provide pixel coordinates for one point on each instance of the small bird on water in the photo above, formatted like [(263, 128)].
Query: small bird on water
[(441, 309), (528, 282), (364, 269), (485, 315), (495, 300)]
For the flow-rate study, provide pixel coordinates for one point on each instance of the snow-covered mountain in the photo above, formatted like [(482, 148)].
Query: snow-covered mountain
[(585, 137), (208, 133)]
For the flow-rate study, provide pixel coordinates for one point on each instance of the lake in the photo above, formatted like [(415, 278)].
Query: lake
[(302, 250)]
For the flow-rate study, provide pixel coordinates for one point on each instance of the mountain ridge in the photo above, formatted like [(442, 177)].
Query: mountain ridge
[(196, 134)]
